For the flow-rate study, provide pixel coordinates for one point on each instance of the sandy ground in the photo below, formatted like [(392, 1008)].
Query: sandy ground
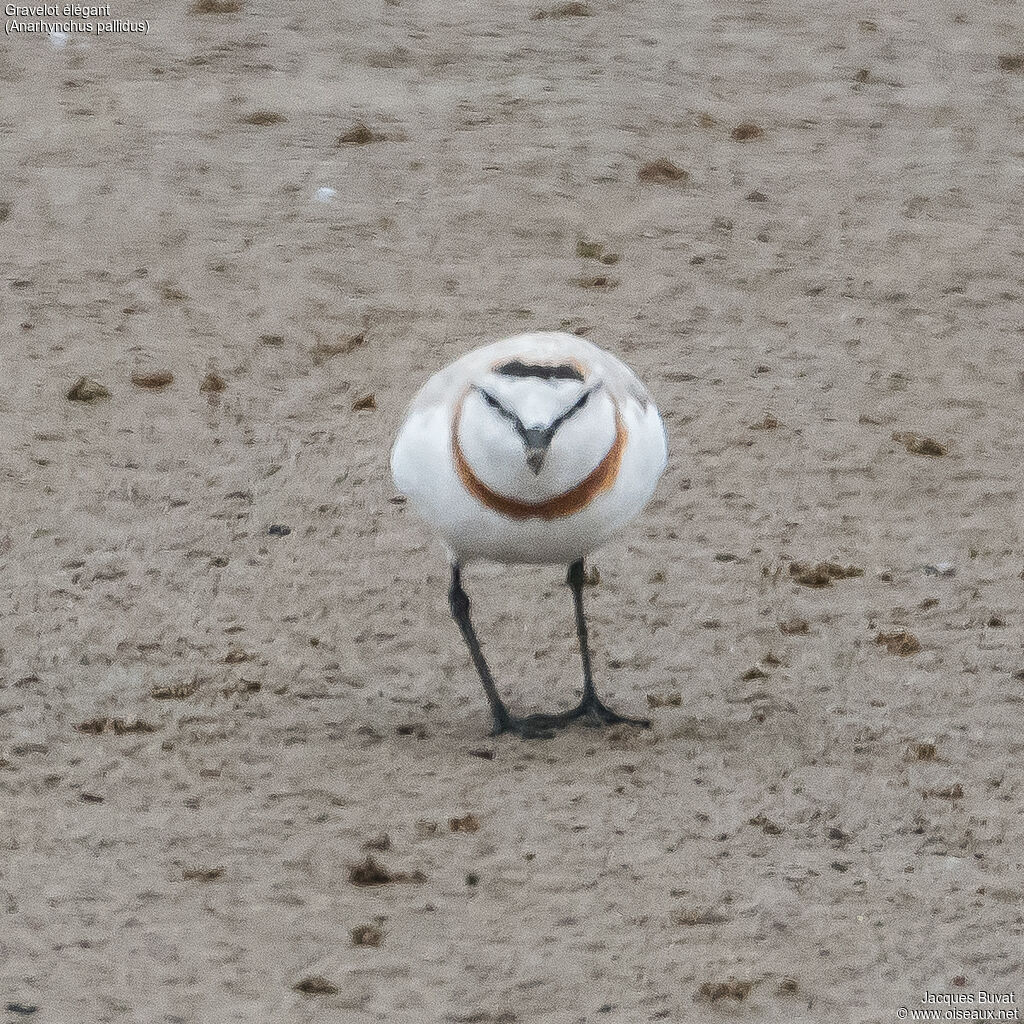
[(832, 827)]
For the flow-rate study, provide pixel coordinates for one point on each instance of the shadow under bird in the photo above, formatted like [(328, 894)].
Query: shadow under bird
[(535, 449)]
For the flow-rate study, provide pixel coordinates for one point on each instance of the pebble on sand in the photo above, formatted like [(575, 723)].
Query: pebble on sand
[(153, 381), (217, 6), (918, 445), (324, 350), (662, 171), (360, 135), (601, 281), (417, 729), (175, 691), (369, 872), (202, 874), (766, 825), (263, 118), (315, 985), (747, 131), (87, 389), (213, 382), (595, 251), (118, 726), (900, 642), (366, 935), (712, 991), (822, 574), (589, 250)]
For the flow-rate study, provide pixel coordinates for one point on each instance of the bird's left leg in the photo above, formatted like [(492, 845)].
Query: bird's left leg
[(591, 705), (533, 727)]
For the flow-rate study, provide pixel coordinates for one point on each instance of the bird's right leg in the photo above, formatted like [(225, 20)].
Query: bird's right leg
[(591, 706), (533, 727)]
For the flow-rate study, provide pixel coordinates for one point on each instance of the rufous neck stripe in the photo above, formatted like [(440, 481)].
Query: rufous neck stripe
[(600, 479)]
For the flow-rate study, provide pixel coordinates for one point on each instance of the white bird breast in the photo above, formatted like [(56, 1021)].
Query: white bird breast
[(496, 454), (424, 469)]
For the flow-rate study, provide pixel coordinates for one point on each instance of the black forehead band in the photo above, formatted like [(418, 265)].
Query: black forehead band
[(544, 371)]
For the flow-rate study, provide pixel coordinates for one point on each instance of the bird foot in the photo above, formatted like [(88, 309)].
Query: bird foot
[(532, 727), (598, 714), (542, 727)]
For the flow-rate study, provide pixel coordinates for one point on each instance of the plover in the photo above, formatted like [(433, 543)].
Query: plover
[(535, 449)]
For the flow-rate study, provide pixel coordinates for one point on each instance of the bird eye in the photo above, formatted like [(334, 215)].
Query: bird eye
[(490, 400), (580, 402)]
